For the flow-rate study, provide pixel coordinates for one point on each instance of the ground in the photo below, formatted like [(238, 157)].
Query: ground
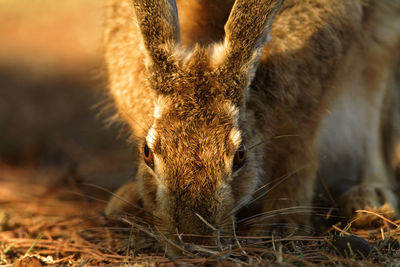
[(59, 160), (56, 218)]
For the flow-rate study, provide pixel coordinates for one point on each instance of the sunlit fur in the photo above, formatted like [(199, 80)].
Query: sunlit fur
[(319, 95)]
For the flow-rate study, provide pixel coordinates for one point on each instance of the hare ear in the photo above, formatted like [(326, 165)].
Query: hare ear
[(246, 32), (159, 25)]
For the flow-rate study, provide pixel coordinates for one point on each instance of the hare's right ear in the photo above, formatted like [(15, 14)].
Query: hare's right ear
[(159, 25), (246, 32)]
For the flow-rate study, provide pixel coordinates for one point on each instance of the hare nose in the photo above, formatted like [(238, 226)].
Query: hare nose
[(192, 225), (195, 232)]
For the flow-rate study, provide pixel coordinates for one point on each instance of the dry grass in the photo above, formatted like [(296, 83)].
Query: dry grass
[(49, 216)]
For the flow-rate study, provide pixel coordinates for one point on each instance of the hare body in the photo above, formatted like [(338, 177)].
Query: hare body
[(223, 121)]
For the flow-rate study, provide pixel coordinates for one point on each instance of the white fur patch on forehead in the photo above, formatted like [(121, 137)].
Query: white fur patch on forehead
[(160, 106), (181, 53), (157, 111), (233, 111), (236, 136), (218, 52), (151, 137)]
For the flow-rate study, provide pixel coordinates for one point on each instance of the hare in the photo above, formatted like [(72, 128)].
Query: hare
[(239, 105)]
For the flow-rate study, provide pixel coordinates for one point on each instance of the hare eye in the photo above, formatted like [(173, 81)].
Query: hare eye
[(240, 158), (148, 156)]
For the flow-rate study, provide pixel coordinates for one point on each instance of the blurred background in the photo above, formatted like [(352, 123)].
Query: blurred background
[(52, 90)]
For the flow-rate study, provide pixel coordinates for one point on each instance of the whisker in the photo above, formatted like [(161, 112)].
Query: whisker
[(259, 230), (279, 182), (282, 211), (132, 217), (284, 136), (271, 138), (129, 117), (256, 145), (85, 196), (119, 229), (106, 109), (120, 198), (312, 209)]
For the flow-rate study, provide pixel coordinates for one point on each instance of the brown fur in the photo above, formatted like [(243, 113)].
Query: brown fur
[(277, 98)]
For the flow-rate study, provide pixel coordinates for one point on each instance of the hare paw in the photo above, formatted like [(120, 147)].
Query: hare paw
[(125, 200), (377, 198)]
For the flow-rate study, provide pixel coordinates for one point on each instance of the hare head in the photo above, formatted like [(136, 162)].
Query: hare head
[(195, 165)]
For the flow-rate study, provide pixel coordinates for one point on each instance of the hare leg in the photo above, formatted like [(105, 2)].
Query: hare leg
[(352, 160), (376, 185)]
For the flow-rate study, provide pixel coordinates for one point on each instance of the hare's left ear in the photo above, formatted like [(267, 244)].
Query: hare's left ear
[(246, 32), (159, 25)]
